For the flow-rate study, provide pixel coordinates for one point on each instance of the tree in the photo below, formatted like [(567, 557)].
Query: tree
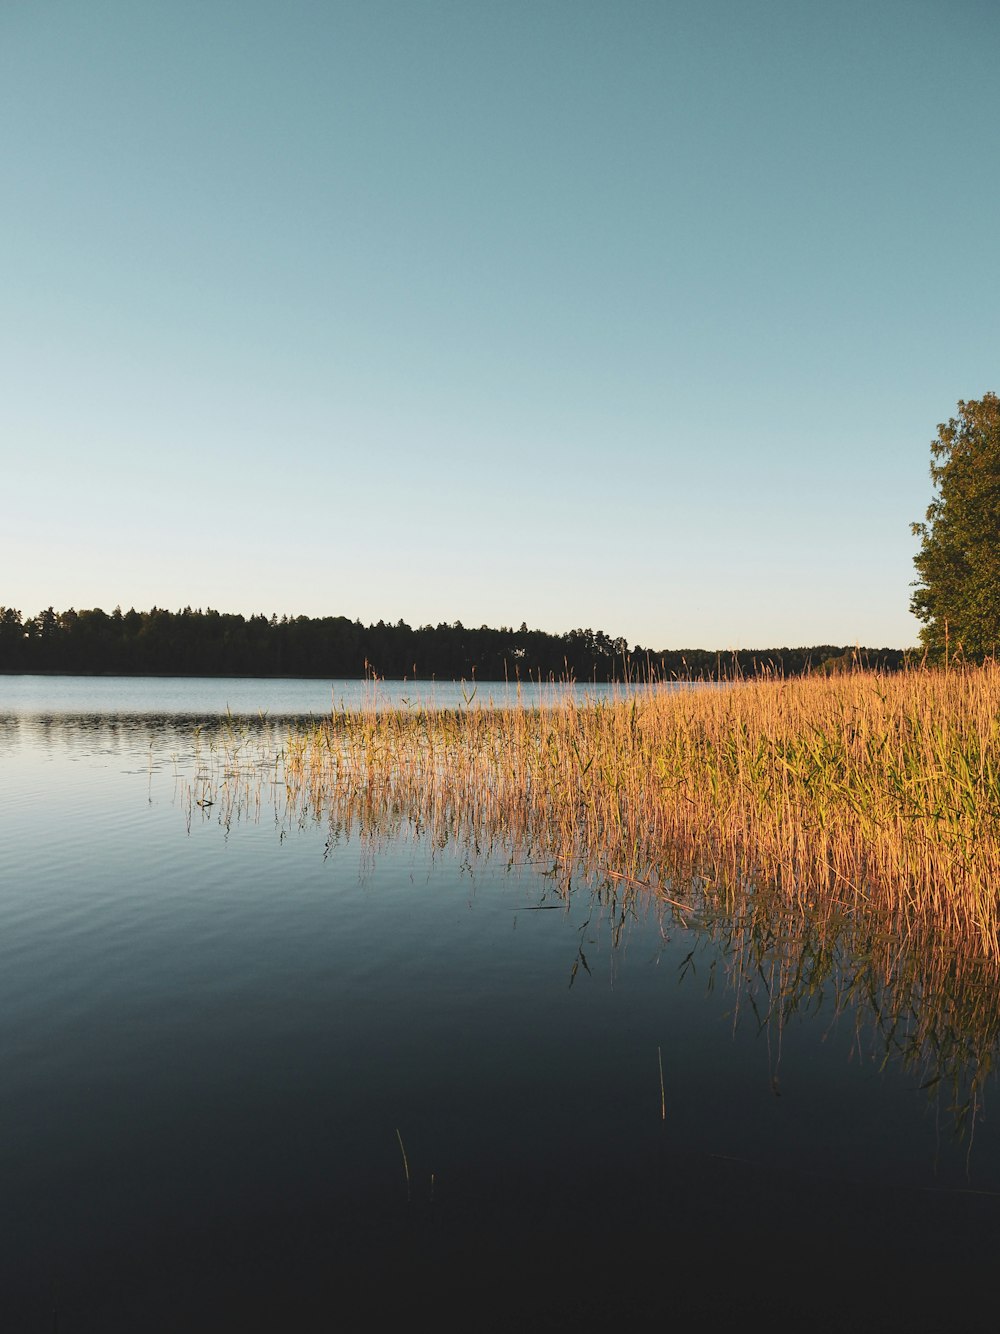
[(958, 593), (11, 639)]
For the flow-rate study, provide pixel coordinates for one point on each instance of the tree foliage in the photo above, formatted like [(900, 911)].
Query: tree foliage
[(957, 595)]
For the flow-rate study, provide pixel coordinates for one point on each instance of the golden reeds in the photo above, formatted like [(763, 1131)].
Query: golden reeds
[(860, 794), (830, 833)]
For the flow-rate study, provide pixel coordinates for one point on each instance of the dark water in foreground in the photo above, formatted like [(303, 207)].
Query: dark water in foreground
[(216, 1046)]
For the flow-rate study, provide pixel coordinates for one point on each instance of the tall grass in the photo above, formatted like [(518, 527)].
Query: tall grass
[(836, 836), (867, 794)]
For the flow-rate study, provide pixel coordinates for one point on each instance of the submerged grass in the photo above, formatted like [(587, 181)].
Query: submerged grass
[(867, 794)]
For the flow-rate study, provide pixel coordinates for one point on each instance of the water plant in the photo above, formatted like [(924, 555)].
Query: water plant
[(840, 836), (854, 794)]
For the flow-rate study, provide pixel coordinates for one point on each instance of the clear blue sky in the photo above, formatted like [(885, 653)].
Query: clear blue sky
[(638, 316)]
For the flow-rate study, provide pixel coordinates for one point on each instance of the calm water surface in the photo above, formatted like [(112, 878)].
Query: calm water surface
[(260, 1077)]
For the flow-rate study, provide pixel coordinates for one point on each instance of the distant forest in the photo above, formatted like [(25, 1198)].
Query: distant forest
[(212, 643)]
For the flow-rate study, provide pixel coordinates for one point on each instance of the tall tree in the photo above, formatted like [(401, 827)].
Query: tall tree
[(957, 595)]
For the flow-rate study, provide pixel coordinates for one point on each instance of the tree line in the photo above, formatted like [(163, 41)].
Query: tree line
[(212, 643)]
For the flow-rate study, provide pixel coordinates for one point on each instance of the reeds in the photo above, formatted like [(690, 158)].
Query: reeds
[(856, 794), (835, 835)]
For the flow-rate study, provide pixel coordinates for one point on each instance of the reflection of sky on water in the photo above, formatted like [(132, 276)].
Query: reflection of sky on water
[(208, 697)]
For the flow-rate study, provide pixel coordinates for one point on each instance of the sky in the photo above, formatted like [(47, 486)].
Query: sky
[(636, 316)]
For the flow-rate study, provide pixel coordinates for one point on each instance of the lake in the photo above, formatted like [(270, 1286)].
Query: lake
[(261, 1069)]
